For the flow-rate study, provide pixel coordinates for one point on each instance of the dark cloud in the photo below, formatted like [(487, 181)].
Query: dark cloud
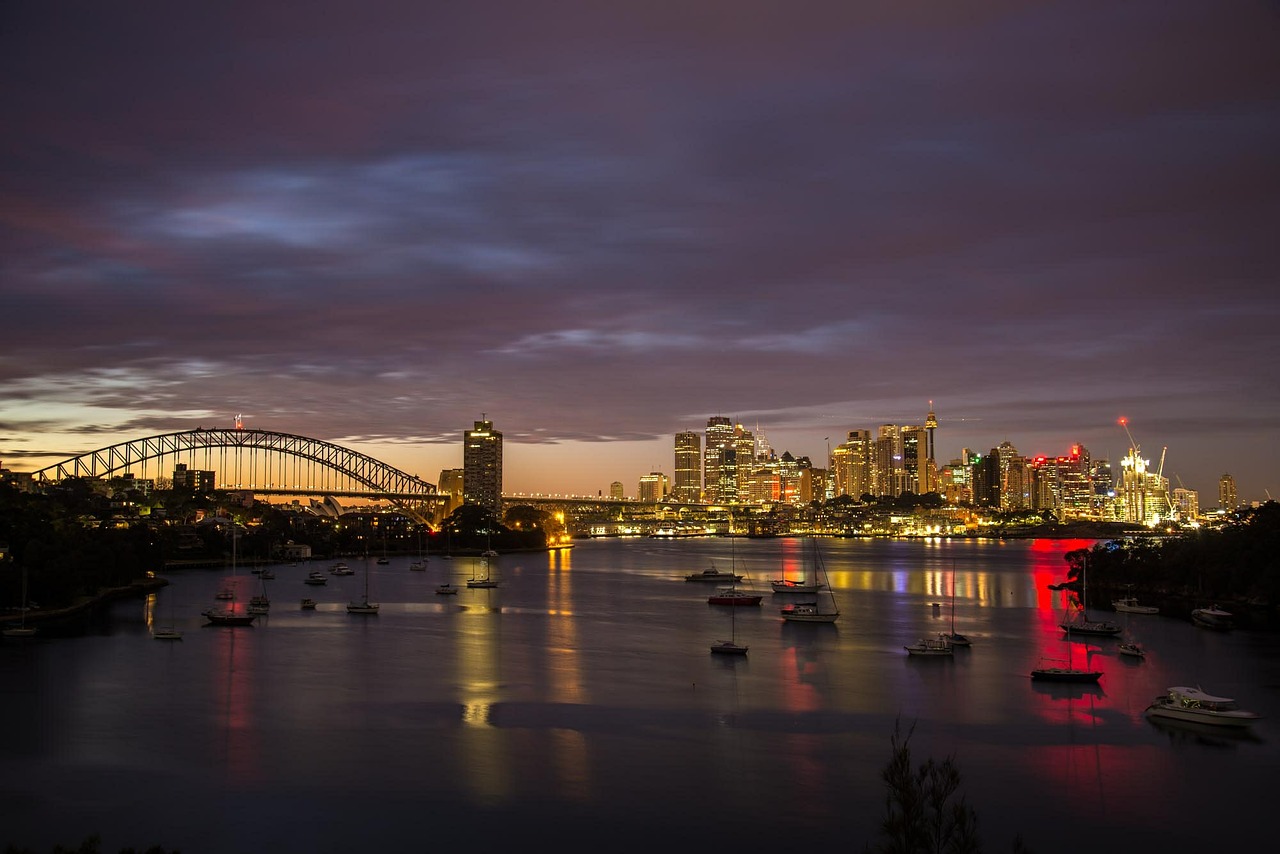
[(603, 222)]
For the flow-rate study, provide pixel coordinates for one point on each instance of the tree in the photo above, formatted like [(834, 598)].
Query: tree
[(924, 814)]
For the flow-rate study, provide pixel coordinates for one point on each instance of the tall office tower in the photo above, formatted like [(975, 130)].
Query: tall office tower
[(915, 467), (744, 444), (482, 467), (851, 464), (1077, 488), (653, 487), (1227, 492), (887, 474), (1018, 482), (617, 491), (688, 480), (719, 437), (985, 479)]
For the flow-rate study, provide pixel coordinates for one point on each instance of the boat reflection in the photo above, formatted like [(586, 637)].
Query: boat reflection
[(1068, 690), (1189, 732)]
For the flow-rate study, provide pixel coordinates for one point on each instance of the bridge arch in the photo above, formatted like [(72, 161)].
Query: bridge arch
[(406, 491)]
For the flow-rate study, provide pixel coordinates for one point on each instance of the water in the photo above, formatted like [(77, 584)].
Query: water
[(578, 704)]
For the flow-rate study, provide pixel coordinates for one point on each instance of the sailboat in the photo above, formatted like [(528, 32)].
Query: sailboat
[(364, 606), (731, 595), (167, 632), (804, 585), (22, 630), (731, 646), (1082, 625), (953, 637), (1068, 673), (483, 580), (419, 565), (230, 616), (823, 608)]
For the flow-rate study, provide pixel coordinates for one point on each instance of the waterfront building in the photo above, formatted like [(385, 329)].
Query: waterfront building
[(1227, 498), (654, 487), (813, 485), (687, 486), (482, 467)]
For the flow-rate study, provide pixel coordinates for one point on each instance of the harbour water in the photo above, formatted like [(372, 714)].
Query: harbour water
[(577, 706)]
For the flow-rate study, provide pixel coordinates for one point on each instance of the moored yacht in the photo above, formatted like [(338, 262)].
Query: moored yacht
[(1192, 705), (1213, 617)]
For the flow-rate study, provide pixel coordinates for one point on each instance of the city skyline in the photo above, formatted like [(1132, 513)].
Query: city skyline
[(599, 225)]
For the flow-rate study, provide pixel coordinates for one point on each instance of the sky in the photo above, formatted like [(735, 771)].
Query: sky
[(599, 224)]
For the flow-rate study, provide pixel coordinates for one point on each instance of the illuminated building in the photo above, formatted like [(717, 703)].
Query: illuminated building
[(653, 487), (851, 464), (915, 465), (985, 479), (1227, 499), (719, 440), (930, 467), (688, 471), (886, 470), (617, 491), (1186, 503), (194, 479), (744, 446), (482, 467)]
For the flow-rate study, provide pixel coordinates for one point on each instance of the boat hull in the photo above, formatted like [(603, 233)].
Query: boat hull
[(1065, 674), (1237, 718), (728, 648), (734, 600)]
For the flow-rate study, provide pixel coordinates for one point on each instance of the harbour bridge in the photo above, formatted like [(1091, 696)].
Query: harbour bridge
[(258, 461)]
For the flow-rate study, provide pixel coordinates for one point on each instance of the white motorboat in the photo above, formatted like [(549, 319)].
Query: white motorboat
[(446, 589), (1132, 650), (1213, 617), (1193, 705), (315, 579), (1129, 605)]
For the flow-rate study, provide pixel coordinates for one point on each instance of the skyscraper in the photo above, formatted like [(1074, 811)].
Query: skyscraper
[(688, 477), (1227, 492), (717, 452), (482, 467)]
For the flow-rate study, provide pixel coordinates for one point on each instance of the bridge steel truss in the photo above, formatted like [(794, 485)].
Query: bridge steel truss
[(380, 479)]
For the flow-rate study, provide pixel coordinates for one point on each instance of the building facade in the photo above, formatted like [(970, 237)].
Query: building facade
[(687, 486), (482, 467)]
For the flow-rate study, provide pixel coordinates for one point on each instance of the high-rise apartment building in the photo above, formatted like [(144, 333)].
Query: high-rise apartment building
[(688, 471), (1227, 498), (482, 467)]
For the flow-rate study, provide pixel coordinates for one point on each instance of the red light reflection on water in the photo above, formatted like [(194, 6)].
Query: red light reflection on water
[(234, 716)]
